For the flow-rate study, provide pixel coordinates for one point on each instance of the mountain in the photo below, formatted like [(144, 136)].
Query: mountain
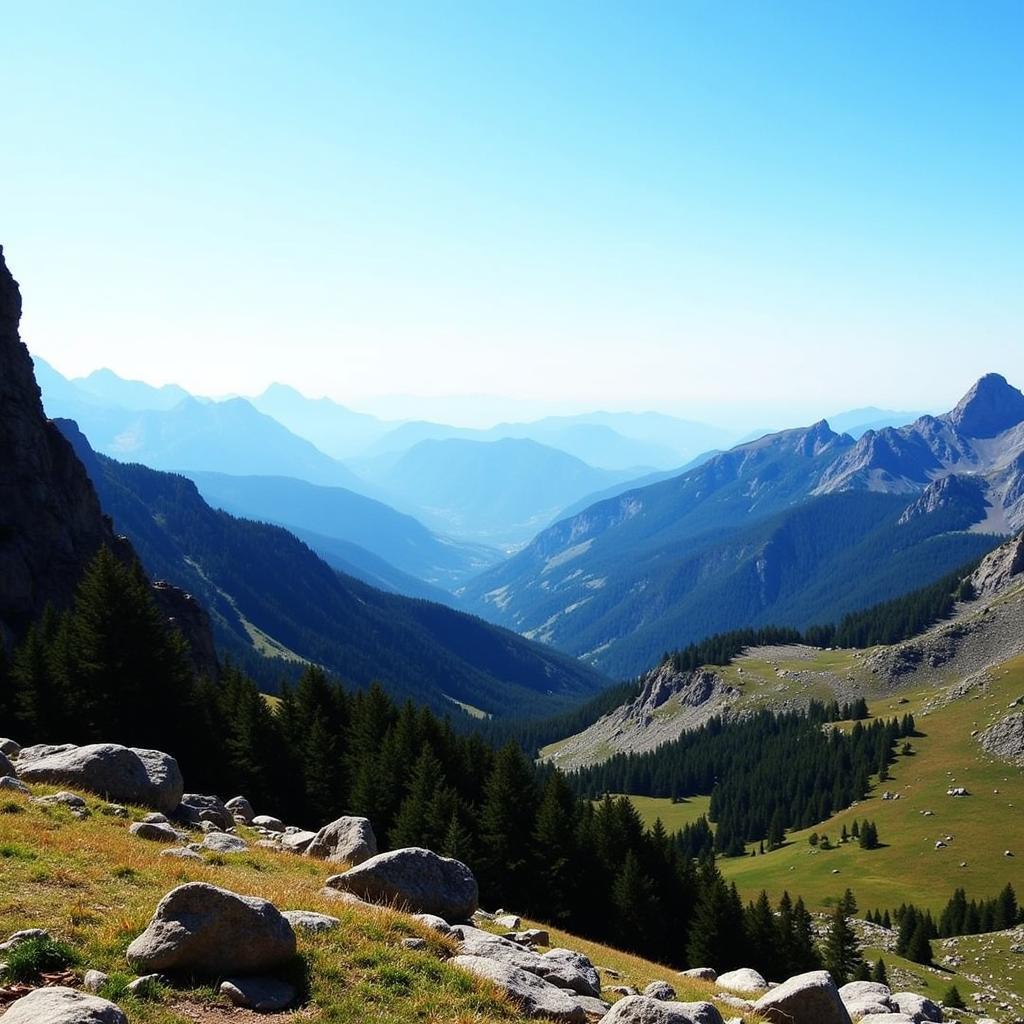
[(110, 389), (492, 492), (856, 422), (334, 429), (658, 566), (328, 518), (230, 436), (269, 594)]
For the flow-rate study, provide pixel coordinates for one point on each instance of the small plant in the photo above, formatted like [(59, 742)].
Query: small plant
[(34, 957), (15, 851), (11, 807), (124, 871)]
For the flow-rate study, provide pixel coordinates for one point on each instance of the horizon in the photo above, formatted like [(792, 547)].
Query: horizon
[(680, 208)]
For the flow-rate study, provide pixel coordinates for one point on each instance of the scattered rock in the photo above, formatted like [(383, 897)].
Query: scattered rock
[(593, 1007), (810, 998), (297, 840), (509, 922), (348, 840), (745, 979), (887, 1018), (264, 995), (72, 801), (155, 818), (271, 824), (533, 937), (94, 981), (6, 768), (416, 879), (585, 979), (660, 990), (208, 930), (13, 785), (439, 924), (125, 774), (702, 1012), (623, 990), (155, 831), (241, 808), (25, 935), (196, 808), (310, 921), (9, 748), (141, 985), (60, 1005), (414, 942), (534, 996), (644, 1010), (701, 973), (221, 842), (918, 1007), (181, 852), (1005, 739)]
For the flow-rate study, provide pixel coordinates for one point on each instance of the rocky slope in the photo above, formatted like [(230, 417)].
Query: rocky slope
[(954, 657)]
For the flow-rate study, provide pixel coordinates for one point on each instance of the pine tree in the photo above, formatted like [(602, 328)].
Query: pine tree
[(919, 949), (555, 848), (879, 973), (634, 904), (841, 953), (953, 999), (763, 937), (413, 824)]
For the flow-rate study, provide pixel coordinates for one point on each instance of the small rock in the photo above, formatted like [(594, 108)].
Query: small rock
[(660, 990), (918, 1007), (271, 824), (25, 935), (13, 785), (701, 973), (155, 831), (198, 807), (509, 922), (72, 801), (310, 921), (297, 841), (644, 1010), (94, 981), (414, 942), (142, 985), (156, 818), (181, 852), (264, 995), (745, 979), (221, 842), (241, 808), (534, 996), (9, 748), (438, 924)]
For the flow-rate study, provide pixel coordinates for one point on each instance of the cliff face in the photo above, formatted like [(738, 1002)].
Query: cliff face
[(51, 523), (50, 518)]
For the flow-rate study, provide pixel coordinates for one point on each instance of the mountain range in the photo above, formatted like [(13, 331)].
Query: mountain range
[(792, 528)]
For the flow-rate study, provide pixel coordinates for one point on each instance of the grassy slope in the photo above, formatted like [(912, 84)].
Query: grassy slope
[(909, 867), (673, 816), (95, 886)]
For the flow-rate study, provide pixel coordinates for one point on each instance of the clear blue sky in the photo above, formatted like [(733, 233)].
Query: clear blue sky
[(683, 205)]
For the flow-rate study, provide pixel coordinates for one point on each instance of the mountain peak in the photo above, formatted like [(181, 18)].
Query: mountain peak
[(990, 407)]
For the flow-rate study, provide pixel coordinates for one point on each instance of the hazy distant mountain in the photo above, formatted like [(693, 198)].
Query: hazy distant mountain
[(268, 592), (655, 567), (334, 429), (856, 422), (333, 514), (229, 437), (111, 389), (494, 492)]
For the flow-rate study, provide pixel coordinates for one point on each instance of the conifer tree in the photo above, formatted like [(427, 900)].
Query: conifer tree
[(879, 973), (841, 953), (919, 949), (413, 823), (634, 904)]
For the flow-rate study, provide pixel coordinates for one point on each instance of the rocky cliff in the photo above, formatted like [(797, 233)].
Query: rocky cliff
[(50, 518), (51, 523)]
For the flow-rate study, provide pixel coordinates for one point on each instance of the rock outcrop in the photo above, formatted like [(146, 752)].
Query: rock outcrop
[(123, 774), (810, 998), (348, 840), (532, 995), (207, 930)]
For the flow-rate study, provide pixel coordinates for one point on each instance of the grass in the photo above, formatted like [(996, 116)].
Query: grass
[(908, 867), (673, 816), (94, 886)]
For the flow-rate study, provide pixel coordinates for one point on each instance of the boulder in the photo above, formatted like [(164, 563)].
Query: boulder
[(297, 840), (196, 808), (810, 998), (8, 783), (743, 980), (509, 922), (478, 943), (310, 921), (856, 991), (589, 983), (181, 852), (415, 879), (6, 768), (221, 842), (644, 1010), (887, 1018), (660, 990), (270, 823), (241, 808), (9, 748), (155, 831), (94, 981), (918, 1007), (60, 1005), (264, 995), (438, 924), (701, 973), (72, 801), (207, 930), (593, 1007), (25, 935), (533, 937), (347, 840), (414, 942), (37, 750), (534, 996), (124, 774)]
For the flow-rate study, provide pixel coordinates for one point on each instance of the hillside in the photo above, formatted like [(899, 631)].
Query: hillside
[(325, 514), (490, 492), (268, 593), (661, 565)]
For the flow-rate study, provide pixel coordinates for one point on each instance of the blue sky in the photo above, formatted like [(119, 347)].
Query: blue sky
[(696, 206)]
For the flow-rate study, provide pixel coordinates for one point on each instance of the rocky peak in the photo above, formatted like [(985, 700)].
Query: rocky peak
[(963, 495), (990, 407)]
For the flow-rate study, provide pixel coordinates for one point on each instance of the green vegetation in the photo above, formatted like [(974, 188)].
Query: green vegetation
[(31, 959)]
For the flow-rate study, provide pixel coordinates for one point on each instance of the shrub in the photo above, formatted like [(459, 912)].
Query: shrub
[(28, 960)]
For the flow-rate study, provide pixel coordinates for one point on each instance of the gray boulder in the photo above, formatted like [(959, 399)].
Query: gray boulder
[(195, 808), (181, 852), (593, 1007), (416, 879), (660, 990), (10, 784), (155, 831), (348, 840), (644, 1010), (72, 801), (743, 980), (264, 995), (202, 928), (269, 822), (240, 808), (918, 1007), (60, 1005), (123, 774), (6, 768), (221, 842), (25, 935), (94, 980), (478, 943), (701, 973), (438, 924), (585, 979), (534, 996), (310, 921), (9, 748), (887, 1018), (297, 840), (810, 998)]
